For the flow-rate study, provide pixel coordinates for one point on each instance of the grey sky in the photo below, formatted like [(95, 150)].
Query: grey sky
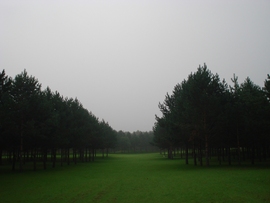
[(119, 58)]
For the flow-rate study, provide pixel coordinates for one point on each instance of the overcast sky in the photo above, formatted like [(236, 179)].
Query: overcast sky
[(120, 58)]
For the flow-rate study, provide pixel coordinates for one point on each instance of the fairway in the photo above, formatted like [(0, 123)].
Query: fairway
[(136, 178)]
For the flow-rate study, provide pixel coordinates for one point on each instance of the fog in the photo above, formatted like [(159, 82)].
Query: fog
[(120, 58)]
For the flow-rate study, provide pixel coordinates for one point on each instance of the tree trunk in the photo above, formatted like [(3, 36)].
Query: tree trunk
[(223, 154), (238, 147), (207, 151), (244, 153), (229, 155), (219, 156), (195, 159), (21, 151), (194, 155), (264, 153), (53, 157), (10, 156), (90, 154), (21, 144), (93, 154), (259, 154), (82, 155), (252, 154), (68, 156), (1, 154), (85, 158), (186, 153), (14, 159), (75, 155), (45, 159), (34, 160), (61, 157), (200, 157)]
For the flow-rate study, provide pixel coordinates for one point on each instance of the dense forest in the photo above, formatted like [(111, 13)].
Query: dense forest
[(40, 125), (205, 117)]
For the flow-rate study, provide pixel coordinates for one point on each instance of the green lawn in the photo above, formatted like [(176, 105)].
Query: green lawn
[(137, 178)]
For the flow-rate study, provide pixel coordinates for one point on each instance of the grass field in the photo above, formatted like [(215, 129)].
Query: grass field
[(137, 178)]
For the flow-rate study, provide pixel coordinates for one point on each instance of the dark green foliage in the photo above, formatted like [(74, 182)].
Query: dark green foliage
[(35, 124), (267, 87), (212, 119)]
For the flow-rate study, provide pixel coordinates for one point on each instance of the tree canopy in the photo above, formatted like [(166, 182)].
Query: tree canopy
[(211, 118), (36, 122)]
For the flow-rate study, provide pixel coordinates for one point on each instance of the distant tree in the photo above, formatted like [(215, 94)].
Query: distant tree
[(123, 142), (108, 136)]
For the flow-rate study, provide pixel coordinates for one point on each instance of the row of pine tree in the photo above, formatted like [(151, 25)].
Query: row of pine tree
[(42, 126), (206, 118)]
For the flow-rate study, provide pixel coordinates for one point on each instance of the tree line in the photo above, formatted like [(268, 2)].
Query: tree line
[(204, 117), (42, 126), (136, 142)]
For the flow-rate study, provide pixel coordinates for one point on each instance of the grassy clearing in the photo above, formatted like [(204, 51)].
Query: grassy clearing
[(137, 178)]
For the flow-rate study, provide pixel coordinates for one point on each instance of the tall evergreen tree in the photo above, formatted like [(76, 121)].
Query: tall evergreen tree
[(25, 91), (5, 97)]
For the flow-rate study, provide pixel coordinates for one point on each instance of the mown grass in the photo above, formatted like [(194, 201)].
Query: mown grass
[(137, 178)]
